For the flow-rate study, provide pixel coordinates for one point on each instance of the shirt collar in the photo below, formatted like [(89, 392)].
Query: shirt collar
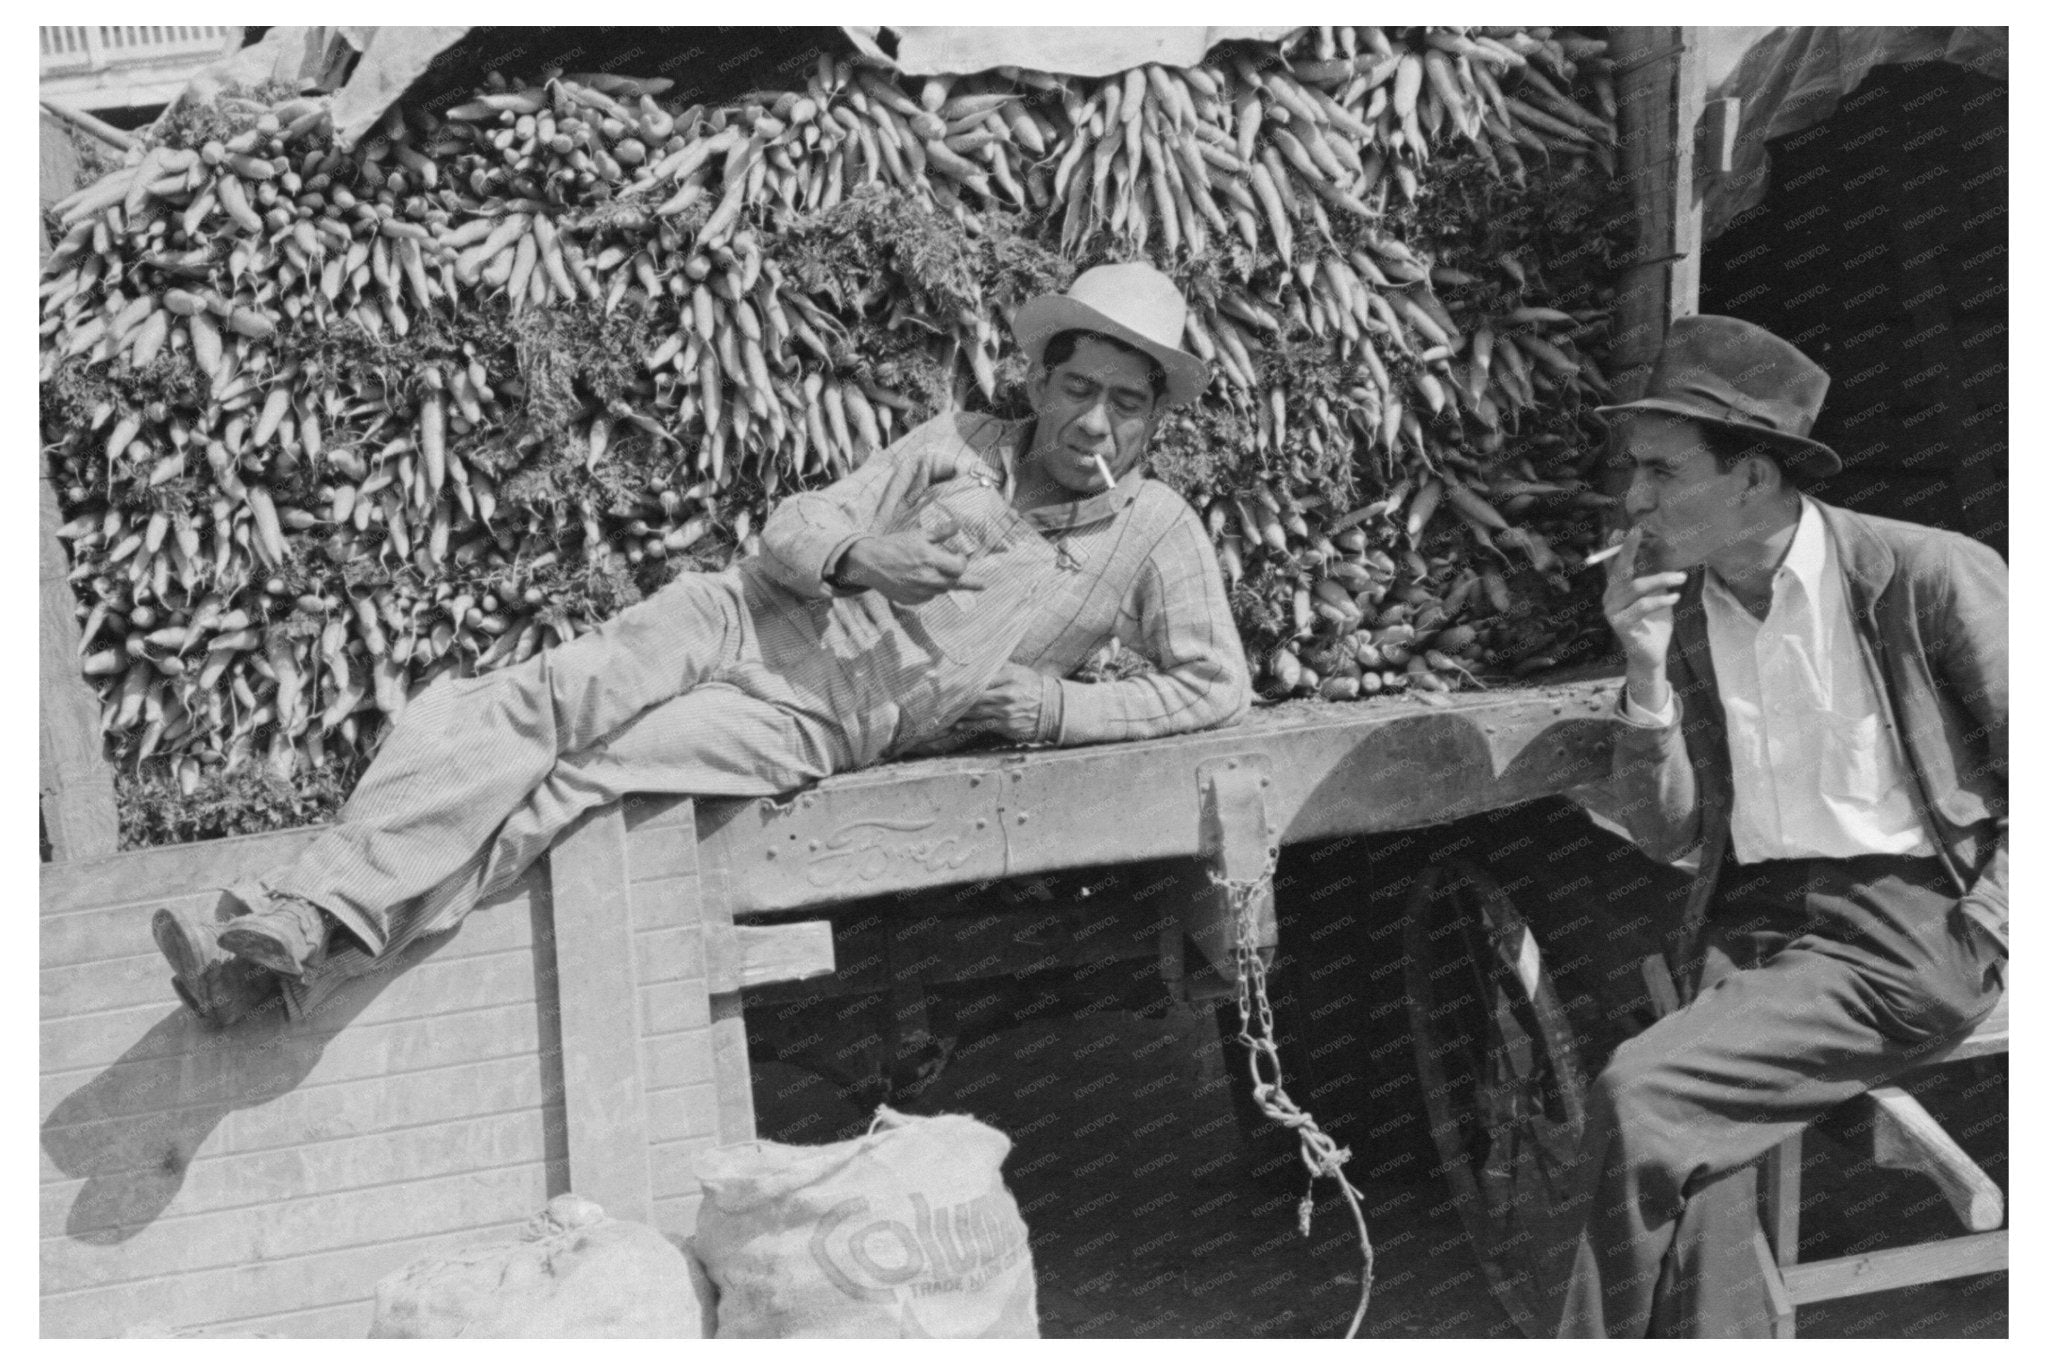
[(1064, 516), (1805, 561)]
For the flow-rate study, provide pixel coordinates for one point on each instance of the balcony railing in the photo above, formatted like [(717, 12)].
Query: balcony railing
[(76, 49)]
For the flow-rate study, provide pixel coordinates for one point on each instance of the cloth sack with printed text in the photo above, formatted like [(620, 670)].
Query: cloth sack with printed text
[(907, 1231)]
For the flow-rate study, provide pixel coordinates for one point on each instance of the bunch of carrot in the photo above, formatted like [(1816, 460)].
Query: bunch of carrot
[(301, 433)]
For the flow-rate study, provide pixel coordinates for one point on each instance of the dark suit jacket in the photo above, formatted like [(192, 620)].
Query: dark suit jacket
[(1930, 613)]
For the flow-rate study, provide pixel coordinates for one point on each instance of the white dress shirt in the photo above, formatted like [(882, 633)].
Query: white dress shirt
[(1817, 771)]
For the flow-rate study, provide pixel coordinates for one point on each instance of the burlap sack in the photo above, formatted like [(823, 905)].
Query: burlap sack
[(906, 1232), (575, 1273)]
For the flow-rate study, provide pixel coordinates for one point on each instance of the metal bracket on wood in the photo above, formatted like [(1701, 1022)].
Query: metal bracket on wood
[(1713, 137), (1239, 843)]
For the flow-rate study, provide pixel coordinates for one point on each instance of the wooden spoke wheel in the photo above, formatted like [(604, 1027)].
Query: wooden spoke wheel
[(1501, 1080)]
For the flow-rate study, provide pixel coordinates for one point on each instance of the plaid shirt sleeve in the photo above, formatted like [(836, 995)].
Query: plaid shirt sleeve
[(806, 534), (1185, 629)]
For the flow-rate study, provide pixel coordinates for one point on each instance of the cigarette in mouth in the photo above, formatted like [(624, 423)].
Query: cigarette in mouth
[(1108, 479), (1615, 540)]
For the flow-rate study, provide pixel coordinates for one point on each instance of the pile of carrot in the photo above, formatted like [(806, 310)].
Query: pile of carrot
[(330, 422)]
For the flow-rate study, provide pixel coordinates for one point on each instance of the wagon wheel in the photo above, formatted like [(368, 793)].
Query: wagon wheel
[(1501, 1080)]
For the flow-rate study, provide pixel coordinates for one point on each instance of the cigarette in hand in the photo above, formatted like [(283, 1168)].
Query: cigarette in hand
[(1108, 479)]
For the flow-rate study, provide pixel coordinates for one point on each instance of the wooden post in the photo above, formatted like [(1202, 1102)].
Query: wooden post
[(77, 783), (1660, 89), (605, 1099), (731, 1066)]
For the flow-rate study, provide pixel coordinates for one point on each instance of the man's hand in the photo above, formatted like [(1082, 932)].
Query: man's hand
[(1639, 608), (909, 568), (1010, 707)]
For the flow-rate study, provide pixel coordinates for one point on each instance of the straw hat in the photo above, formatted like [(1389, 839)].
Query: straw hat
[(1133, 303)]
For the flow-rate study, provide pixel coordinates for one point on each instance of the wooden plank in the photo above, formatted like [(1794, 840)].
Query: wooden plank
[(1783, 1318), (165, 1141), (674, 1007), (656, 851), (97, 963), (1778, 1197), (683, 1112), (1897, 1267), (1392, 765), (290, 1228), (730, 1067), (364, 1052), (606, 1108), (668, 954), (675, 1167), (114, 1200), (668, 903), (77, 781), (165, 1029), (150, 876), (651, 810), (252, 1290), (745, 956), (1906, 1137), (110, 933), (1660, 90), (401, 1102), (107, 984), (677, 1059)]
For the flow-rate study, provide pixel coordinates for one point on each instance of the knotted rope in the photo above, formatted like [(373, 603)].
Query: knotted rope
[(1319, 1152)]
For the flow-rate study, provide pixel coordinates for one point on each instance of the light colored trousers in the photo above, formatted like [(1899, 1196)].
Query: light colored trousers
[(480, 774)]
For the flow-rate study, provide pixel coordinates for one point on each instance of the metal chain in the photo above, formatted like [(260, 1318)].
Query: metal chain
[(1319, 1152)]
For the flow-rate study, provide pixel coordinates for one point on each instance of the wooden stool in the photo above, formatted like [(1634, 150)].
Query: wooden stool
[(1905, 1137)]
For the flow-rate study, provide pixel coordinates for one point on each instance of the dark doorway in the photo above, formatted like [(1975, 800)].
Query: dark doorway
[(1880, 250)]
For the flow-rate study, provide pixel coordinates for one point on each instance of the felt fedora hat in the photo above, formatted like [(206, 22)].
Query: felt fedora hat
[(1133, 303), (1736, 375)]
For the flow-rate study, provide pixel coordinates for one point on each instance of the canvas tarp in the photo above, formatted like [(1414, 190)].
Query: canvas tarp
[(1072, 51), (315, 58), (1792, 78)]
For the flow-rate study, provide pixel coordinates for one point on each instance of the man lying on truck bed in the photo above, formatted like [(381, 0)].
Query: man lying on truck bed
[(946, 589)]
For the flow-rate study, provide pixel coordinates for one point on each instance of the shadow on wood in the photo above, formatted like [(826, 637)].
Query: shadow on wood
[(133, 1149)]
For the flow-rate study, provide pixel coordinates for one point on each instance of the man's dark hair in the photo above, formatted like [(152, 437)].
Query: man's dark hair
[(1059, 349), (1730, 447)]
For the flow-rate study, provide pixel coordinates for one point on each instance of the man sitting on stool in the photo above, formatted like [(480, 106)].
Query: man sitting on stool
[(1816, 708)]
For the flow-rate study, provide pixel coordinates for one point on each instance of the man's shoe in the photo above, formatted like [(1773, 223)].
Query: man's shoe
[(218, 988), (286, 936), (229, 992), (188, 941)]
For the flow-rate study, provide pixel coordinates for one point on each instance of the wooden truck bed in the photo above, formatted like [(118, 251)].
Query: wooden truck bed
[(586, 1029)]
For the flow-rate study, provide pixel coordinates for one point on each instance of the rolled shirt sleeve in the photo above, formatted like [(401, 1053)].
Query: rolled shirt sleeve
[(1629, 713)]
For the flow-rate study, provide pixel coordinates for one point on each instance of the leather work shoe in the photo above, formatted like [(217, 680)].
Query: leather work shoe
[(286, 936), (189, 942), (230, 992), (218, 988)]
